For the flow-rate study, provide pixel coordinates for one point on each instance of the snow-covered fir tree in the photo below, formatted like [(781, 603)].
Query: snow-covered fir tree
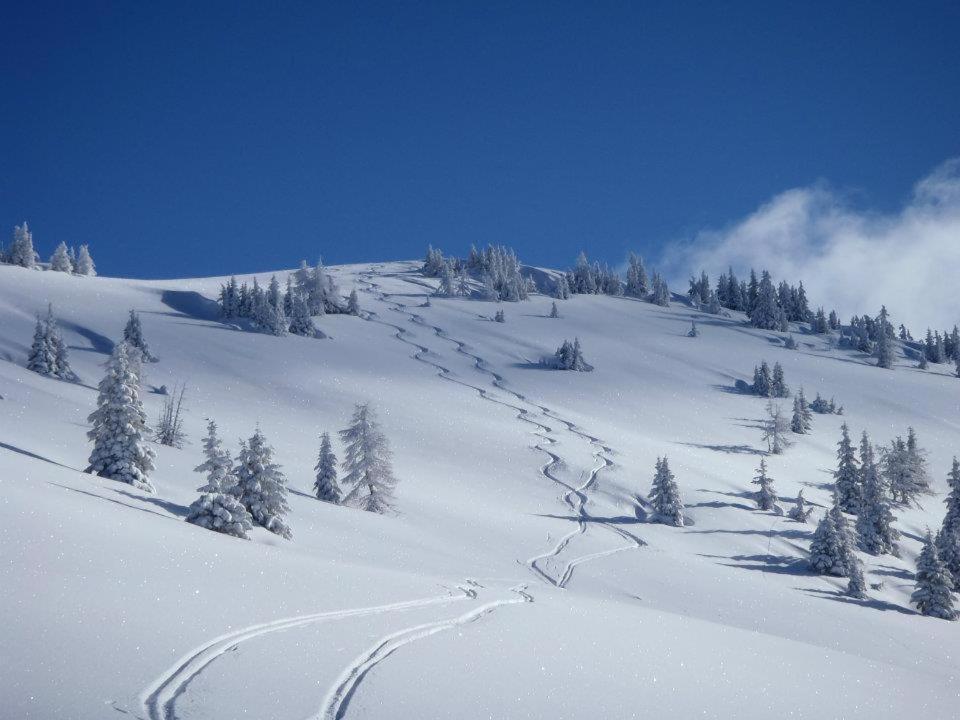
[(84, 263), (828, 551), (800, 511), (367, 467), (775, 429), (661, 293), (326, 486), (222, 513), (48, 352), (778, 383), (21, 250), (261, 486), (119, 433), (217, 464), (948, 539), (637, 281), (766, 496), (932, 593), (665, 496), (60, 260), (463, 283), (554, 312), (762, 380), (489, 291), (446, 288), (562, 289), (884, 346), (353, 303), (875, 530), (847, 479), (133, 337), (764, 310), (300, 321), (802, 420), (857, 586)]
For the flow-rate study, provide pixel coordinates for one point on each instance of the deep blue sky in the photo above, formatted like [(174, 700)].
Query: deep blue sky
[(207, 138)]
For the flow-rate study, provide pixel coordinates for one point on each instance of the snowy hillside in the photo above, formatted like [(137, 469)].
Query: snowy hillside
[(519, 577)]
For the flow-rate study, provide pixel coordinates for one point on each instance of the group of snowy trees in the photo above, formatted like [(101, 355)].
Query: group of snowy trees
[(48, 352), (64, 259), (588, 278), (309, 292), (570, 357), (252, 490), (497, 269), (867, 488), (769, 384)]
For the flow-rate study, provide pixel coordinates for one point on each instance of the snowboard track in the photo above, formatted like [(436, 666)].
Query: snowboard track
[(575, 497)]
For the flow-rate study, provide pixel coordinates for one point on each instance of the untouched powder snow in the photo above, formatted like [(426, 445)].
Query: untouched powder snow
[(519, 576)]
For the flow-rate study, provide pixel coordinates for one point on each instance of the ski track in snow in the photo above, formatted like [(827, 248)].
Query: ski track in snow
[(335, 704), (159, 699), (575, 498)]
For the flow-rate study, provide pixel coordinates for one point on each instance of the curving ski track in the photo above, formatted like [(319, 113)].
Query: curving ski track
[(159, 699), (574, 497)]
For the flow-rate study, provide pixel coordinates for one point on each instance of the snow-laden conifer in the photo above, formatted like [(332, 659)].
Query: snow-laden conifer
[(775, 429), (932, 593), (300, 321), (554, 312), (218, 465), (665, 496), (222, 513), (778, 384), (48, 352), (21, 249), (827, 553), (849, 487), (637, 282), (133, 337), (353, 303), (60, 260), (884, 346), (875, 530), (948, 539), (261, 486), (325, 486), (661, 293), (764, 311), (119, 433), (857, 586), (84, 263), (367, 467), (766, 496), (800, 511)]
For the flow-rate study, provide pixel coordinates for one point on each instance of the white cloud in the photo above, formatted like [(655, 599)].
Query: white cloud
[(848, 259)]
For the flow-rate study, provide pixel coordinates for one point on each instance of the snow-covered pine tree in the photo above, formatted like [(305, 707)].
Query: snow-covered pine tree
[(366, 463), (766, 495), (489, 291), (884, 346), (119, 433), (665, 496), (446, 288), (60, 260), (21, 249), (764, 312), (353, 303), (48, 353), (463, 283), (933, 584), (133, 337), (828, 555), (762, 380), (562, 289), (778, 384), (805, 414), (917, 463), (325, 486), (300, 321), (554, 312), (221, 513), (84, 264), (661, 293), (849, 487), (948, 539), (796, 420), (800, 512), (922, 365), (875, 530), (218, 465), (637, 282), (775, 429), (261, 486), (857, 586)]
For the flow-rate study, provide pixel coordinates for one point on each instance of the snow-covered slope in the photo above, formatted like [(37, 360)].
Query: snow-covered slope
[(515, 580)]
